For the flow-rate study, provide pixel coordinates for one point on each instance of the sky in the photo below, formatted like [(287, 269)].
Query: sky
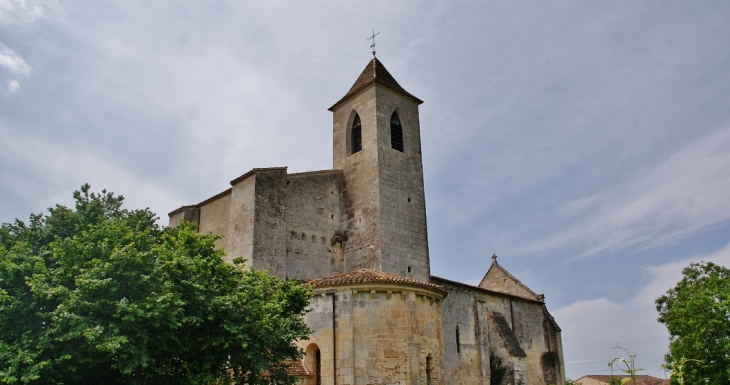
[(587, 144)]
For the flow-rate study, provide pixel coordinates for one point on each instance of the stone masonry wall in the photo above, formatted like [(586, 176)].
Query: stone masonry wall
[(404, 240), (362, 204), (269, 238), (525, 319), (315, 209), (214, 218), (463, 365), (239, 239), (384, 335)]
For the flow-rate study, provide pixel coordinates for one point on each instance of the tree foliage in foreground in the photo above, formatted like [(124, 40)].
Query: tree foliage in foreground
[(101, 294), (697, 315)]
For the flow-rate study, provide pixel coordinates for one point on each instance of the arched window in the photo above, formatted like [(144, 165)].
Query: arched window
[(356, 134), (396, 133), (313, 361)]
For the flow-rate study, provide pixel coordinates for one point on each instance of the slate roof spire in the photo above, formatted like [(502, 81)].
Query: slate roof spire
[(375, 72)]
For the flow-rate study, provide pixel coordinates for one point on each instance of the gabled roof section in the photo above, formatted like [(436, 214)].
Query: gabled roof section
[(375, 72), (513, 344), (500, 280)]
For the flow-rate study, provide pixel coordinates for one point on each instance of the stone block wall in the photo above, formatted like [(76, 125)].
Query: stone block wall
[(465, 362), (362, 200), (384, 335), (269, 237), (404, 244), (528, 322), (214, 215), (239, 238), (315, 210)]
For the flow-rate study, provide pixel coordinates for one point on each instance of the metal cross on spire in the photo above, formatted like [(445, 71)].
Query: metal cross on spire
[(373, 38)]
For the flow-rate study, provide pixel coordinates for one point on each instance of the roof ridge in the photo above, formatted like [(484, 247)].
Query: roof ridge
[(522, 285), (365, 276), (374, 72)]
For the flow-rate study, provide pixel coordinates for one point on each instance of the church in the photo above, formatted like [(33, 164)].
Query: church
[(358, 234)]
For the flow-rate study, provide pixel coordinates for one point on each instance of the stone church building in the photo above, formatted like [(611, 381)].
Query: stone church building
[(357, 234)]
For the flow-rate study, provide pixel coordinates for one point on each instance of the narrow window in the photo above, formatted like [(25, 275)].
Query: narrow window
[(318, 370), (458, 342), (428, 369), (356, 134), (396, 133)]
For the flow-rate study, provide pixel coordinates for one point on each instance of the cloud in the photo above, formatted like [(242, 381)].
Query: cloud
[(682, 196), (13, 86), (12, 66), (602, 322), (19, 15), (41, 174), (12, 62), (28, 12)]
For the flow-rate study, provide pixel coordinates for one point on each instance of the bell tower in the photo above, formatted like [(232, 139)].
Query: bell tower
[(377, 144)]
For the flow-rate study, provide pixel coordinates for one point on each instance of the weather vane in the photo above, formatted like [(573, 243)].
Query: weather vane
[(373, 38)]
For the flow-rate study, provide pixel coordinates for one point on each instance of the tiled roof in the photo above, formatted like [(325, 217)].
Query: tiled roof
[(640, 379), (448, 282), (179, 209), (530, 294), (297, 368), (253, 171), (372, 276), (375, 72)]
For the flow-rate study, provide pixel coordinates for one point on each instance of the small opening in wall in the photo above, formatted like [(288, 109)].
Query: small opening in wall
[(359, 220), (409, 269), (409, 200), (428, 369), (458, 340), (332, 216)]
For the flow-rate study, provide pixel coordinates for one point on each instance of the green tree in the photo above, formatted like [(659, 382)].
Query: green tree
[(101, 294), (697, 314)]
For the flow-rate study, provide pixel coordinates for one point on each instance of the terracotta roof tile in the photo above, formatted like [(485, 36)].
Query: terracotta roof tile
[(297, 368), (372, 276), (375, 72)]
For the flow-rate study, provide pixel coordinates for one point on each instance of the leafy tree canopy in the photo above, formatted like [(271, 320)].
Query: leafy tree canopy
[(697, 315), (100, 294)]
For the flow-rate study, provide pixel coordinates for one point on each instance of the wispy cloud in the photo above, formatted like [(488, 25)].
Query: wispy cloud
[(683, 195), (12, 66), (63, 169), (18, 15), (631, 323), (14, 13)]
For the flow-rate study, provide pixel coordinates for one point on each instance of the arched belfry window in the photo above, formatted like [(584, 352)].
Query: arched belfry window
[(396, 133), (356, 134)]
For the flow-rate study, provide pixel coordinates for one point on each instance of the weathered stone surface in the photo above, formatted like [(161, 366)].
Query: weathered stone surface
[(358, 233)]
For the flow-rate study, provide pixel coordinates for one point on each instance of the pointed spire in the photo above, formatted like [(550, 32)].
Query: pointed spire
[(375, 72)]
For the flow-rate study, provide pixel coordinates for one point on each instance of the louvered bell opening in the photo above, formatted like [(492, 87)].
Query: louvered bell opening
[(396, 133)]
